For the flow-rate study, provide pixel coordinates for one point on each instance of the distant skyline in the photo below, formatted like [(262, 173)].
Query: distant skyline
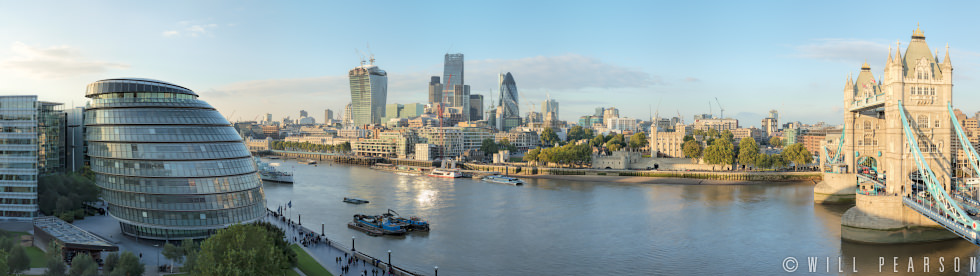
[(251, 58)]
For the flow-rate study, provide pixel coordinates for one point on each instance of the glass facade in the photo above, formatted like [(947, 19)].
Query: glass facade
[(509, 96), (169, 165), (31, 143), (452, 74), (368, 91)]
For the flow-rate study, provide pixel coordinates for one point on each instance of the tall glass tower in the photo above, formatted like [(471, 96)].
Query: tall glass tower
[(169, 165), (452, 75), (509, 96), (368, 93)]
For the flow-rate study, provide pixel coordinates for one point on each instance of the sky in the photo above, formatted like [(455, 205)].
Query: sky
[(248, 58)]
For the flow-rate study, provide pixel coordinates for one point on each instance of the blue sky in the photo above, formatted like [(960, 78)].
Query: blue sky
[(253, 57)]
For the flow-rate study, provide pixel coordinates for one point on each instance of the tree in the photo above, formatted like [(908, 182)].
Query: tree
[(720, 152), (129, 265), (576, 133), (487, 146), (712, 133), (748, 151), (797, 154), (506, 145), (638, 140), (17, 260), (110, 262), (172, 253), (532, 155), (190, 249), (241, 249), (598, 140), (727, 135), (615, 143), (692, 149), (549, 137), (4, 268), (776, 142), (56, 265), (688, 138), (83, 265)]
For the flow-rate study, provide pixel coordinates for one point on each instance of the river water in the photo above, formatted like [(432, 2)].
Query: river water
[(558, 227)]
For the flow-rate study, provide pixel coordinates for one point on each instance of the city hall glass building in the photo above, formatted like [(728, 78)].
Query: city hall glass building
[(169, 165)]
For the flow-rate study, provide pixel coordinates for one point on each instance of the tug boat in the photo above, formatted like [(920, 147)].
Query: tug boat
[(268, 172), (445, 173), (503, 179)]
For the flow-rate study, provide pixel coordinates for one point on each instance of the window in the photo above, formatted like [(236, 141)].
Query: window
[(922, 121)]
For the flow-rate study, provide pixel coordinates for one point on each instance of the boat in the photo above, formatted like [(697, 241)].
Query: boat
[(308, 162), (411, 224), (445, 173), (355, 200), (269, 172), (503, 179), (380, 224)]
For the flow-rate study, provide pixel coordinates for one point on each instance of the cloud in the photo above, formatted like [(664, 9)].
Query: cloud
[(54, 62), (566, 72), (852, 51), (194, 30), (692, 79)]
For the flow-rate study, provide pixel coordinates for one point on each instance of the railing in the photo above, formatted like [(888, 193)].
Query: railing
[(950, 224)]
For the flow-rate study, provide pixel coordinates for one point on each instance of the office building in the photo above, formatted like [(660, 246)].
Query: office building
[(476, 107), (348, 118), (452, 75), (368, 92), (169, 165), (771, 124), (303, 113), (75, 146), (32, 145), (435, 90), (327, 115), (508, 96)]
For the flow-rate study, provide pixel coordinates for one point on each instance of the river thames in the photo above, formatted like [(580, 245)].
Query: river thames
[(558, 227)]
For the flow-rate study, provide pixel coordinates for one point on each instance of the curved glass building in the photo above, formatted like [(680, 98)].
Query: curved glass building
[(169, 165)]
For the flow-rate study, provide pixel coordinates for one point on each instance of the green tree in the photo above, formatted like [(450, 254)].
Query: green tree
[(241, 249), (110, 262), (83, 265), (598, 140), (692, 149), (172, 253), (55, 266), (549, 137), (4, 268), (576, 133), (128, 264), (638, 140), (615, 143), (720, 152), (797, 154), (748, 151), (280, 243), (776, 142), (487, 146), (712, 133), (688, 138), (532, 155), (506, 145), (190, 250), (17, 260), (727, 135)]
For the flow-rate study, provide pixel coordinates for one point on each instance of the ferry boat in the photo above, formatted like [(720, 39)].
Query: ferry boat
[(355, 200), (380, 224), (445, 173), (503, 179), (270, 173), (308, 162)]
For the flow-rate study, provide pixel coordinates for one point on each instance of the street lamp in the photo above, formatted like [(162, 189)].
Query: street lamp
[(437, 270), (352, 248), (389, 262)]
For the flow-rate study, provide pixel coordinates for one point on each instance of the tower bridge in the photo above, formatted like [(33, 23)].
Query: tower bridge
[(897, 154)]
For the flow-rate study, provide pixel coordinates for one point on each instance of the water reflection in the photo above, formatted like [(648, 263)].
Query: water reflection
[(550, 227)]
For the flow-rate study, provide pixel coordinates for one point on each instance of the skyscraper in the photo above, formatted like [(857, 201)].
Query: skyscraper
[(452, 74), (327, 115), (461, 100), (476, 107), (550, 106), (348, 118), (33, 142), (435, 90), (303, 113), (509, 96), (368, 93), (169, 165)]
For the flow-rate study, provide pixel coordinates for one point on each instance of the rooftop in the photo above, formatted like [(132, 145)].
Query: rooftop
[(70, 235)]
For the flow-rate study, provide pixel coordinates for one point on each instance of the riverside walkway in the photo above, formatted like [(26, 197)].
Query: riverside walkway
[(329, 249)]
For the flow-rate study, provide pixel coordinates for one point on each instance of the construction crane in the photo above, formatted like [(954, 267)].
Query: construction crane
[(721, 108), (359, 55), (232, 115)]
